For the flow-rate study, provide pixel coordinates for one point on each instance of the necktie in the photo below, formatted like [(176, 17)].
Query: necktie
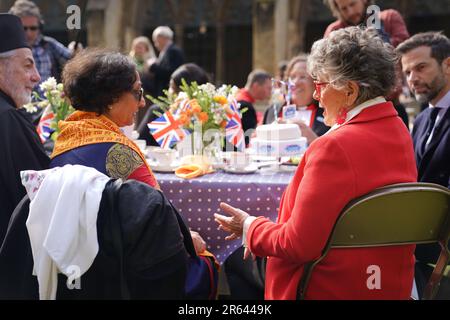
[(432, 120)]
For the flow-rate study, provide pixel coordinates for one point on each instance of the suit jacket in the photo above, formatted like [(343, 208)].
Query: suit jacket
[(20, 149), (349, 162), (165, 66), (434, 163)]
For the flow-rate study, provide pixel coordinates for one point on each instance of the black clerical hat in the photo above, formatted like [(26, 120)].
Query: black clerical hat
[(12, 33)]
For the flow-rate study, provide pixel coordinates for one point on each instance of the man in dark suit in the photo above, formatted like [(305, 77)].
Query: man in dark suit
[(20, 147), (169, 59), (426, 64)]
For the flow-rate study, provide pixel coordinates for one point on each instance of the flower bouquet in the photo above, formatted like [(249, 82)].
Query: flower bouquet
[(55, 105), (203, 112)]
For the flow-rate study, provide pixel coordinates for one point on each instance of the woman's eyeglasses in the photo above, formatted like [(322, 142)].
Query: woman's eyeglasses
[(138, 94), (319, 86), (32, 28)]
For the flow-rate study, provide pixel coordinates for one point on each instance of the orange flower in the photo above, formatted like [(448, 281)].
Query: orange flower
[(184, 119), (195, 107), (221, 100), (223, 125), (203, 117)]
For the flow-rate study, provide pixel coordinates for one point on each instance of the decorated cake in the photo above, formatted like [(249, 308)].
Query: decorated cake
[(279, 140)]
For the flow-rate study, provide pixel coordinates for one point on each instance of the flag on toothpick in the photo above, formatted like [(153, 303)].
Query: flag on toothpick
[(44, 129), (234, 131), (167, 130)]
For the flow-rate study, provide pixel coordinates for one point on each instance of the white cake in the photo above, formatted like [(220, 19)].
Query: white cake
[(279, 140)]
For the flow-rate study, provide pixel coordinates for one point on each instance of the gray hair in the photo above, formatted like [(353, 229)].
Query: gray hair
[(257, 76), (163, 31), (355, 54), (438, 42), (4, 58), (25, 8)]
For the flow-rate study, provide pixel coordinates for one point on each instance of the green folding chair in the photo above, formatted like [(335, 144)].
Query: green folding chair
[(401, 214)]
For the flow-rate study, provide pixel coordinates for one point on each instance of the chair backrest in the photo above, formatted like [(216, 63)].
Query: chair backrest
[(401, 214)]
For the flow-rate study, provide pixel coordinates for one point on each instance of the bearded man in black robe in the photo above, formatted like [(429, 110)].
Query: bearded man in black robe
[(20, 146)]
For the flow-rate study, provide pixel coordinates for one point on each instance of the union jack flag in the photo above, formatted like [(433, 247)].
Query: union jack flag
[(167, 130), (43, 129), (234, 131), (183, 106)]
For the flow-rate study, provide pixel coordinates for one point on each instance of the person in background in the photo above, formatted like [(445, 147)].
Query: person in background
[(426, 63), (258, 88), (49, 54), (309, 116), (20, 146), (190, 72), (169, 59), (105, 103), (354, 12), (143, 55), (337, 168)]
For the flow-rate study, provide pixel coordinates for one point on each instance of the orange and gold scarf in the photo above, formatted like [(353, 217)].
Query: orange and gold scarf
[(85, 128)]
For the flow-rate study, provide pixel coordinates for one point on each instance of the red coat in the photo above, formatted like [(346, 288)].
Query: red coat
[(393, 24), (373, 150)]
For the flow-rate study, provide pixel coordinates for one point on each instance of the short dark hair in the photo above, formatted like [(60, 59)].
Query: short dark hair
[(95, 78), (257, 76), (190, 72), (438, 42)]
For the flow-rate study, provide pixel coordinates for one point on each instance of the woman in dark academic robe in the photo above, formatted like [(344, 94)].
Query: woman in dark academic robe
[(105, 89)]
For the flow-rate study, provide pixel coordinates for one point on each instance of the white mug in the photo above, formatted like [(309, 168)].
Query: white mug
[(239, 160), (163, 156)]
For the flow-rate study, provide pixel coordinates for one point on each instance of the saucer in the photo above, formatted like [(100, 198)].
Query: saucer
[(249, 169), (156, 167)]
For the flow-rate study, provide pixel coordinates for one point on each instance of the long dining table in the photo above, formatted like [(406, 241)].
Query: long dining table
[(198, 199)]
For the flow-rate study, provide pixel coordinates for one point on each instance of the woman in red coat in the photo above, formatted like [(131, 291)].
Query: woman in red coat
[(367, 147)]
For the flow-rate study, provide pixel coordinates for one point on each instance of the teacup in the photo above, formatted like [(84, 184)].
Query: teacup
[(239, 160), (142, 144), (163, 156)]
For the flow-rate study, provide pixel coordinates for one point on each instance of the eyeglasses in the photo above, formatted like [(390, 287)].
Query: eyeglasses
[(319, 86), (32, 28), (138, 94)]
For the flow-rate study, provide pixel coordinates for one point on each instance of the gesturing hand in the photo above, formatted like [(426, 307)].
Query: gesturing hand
[(233, 224)]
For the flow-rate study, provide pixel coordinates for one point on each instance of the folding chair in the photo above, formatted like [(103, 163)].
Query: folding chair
[(400, 214)]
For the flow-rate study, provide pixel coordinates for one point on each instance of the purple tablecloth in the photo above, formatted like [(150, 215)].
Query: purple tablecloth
[(197, 200)]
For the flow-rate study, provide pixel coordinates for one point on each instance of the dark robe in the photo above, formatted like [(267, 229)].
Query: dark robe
[(20, 149), (143, 250)]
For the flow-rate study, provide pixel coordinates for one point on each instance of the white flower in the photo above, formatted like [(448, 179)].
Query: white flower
[(30, 108), (182, 96), (55, 93), (49, 84), (209, 89), (60, 87), (43, 104), (234, 90)]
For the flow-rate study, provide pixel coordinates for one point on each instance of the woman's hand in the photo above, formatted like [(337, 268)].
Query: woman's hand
[(233, 224), (199, 243)]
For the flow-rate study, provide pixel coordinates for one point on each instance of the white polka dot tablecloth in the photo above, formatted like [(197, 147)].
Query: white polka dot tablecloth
[(197, 200)]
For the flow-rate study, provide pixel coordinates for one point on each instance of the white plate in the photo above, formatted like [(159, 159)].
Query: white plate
[(156, 167), (250, 169)]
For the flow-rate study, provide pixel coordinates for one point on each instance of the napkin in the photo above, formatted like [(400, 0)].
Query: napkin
[(193, 167)]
